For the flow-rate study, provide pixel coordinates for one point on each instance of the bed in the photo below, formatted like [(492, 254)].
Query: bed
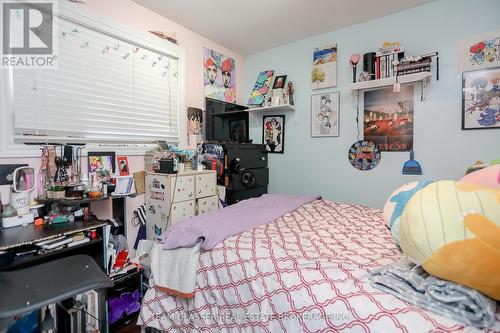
[(305, 272)]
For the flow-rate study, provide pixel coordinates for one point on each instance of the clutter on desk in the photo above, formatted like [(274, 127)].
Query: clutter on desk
[(172, 160)]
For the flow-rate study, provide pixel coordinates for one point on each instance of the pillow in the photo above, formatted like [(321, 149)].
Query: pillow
[(489, 176), (435, 234), (396, 203)]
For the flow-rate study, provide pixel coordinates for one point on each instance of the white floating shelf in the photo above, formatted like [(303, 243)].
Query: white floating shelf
[(284, 107), (386, 82)]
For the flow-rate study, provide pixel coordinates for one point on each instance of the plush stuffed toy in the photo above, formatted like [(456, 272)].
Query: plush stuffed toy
[(452, 229), (489, 176), (396, 203)]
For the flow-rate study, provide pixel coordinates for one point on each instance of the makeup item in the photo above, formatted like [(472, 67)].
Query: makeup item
[(353, 60)]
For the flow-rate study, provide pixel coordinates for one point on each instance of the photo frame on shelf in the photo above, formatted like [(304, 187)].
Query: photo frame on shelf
[(480, 99), (123, 166), (325, 115), (273, 133), (279, 82), (101, 161)]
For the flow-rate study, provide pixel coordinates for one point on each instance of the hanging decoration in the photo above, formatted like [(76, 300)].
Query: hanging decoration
[(364, 155)]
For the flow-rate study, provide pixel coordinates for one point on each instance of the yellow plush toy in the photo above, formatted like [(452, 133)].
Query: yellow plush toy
[(453, 230)]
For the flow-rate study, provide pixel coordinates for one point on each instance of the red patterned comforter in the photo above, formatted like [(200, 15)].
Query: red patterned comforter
[(305, 272)]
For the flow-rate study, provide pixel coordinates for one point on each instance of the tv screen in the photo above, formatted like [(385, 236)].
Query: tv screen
[(226, 121)]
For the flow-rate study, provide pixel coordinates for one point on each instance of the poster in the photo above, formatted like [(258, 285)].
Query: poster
[(388, 118), (479, 52), (273, 133), (481, 99), (324, 69), (325, 114), (219, 78), (194, 126)]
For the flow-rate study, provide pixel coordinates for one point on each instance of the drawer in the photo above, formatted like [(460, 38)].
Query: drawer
[(182, 188), (208, 204), (182, 210), (206, 185)]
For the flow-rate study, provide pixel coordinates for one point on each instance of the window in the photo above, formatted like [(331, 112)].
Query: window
[(109, 87)]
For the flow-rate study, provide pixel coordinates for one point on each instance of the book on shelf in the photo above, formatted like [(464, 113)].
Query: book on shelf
[(384, 63)]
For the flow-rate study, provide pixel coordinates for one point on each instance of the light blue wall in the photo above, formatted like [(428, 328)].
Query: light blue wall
[(320, 165)]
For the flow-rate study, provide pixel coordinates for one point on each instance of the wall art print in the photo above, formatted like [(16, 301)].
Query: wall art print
[(325, 114), (481, 51), (324, 68), (481, 99), (219, 78), (273, 133), (258, 94), (388, 118)]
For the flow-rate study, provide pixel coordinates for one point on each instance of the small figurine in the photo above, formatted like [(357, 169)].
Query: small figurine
[(291, 90)]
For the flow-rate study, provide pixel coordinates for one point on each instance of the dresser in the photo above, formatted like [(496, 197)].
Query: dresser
[(171, 198)]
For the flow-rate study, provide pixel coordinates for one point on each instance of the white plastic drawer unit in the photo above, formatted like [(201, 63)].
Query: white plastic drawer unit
[(206, 184), (208, 204), (182, 188), (182, 210)]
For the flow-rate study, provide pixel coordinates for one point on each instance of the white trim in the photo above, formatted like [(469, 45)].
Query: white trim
[(10, 148)]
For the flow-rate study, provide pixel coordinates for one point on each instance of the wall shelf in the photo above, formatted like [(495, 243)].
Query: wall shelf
[(279, 108), (386, 82)]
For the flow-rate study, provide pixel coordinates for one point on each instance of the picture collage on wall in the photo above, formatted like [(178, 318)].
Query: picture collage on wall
[(219, 78)]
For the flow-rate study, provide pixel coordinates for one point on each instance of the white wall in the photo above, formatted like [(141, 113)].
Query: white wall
[(320, 165)]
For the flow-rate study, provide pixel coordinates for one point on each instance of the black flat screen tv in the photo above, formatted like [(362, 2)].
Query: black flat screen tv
[(226, 122)]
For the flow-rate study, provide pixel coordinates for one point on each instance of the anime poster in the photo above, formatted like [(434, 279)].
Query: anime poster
[(258, 94), (481, 99), (325, 114), (219, 76), (388, 118), (194, 125), (273, 133), (480, 51), (324, 69)]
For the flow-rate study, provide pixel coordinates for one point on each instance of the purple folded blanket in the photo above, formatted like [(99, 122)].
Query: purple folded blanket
[(214, 228)]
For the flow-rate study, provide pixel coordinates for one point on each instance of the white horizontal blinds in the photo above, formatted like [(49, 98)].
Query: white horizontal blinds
[(104, 89)]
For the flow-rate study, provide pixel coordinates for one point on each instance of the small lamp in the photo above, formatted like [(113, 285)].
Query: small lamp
[(353, 60)]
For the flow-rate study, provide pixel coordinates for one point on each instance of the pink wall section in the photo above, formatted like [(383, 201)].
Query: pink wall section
[(143, 19), (140, 18)]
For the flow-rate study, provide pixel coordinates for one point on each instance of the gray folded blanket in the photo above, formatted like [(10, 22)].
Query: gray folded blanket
[(412, 284)]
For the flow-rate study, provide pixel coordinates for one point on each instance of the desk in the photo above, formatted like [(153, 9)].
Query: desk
[(18, 239), (30, 234)]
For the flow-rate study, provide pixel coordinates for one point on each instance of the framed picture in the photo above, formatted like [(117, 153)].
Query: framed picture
[(239, 130), (258, 94), (325, 114), (479, 51), (279, 82), (273, 133), (219, 79), (102, 161), (123, 166), (481, 99), (324, 68), (388, 118)]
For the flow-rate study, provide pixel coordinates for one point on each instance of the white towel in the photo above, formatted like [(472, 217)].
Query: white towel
[(174, 271)]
